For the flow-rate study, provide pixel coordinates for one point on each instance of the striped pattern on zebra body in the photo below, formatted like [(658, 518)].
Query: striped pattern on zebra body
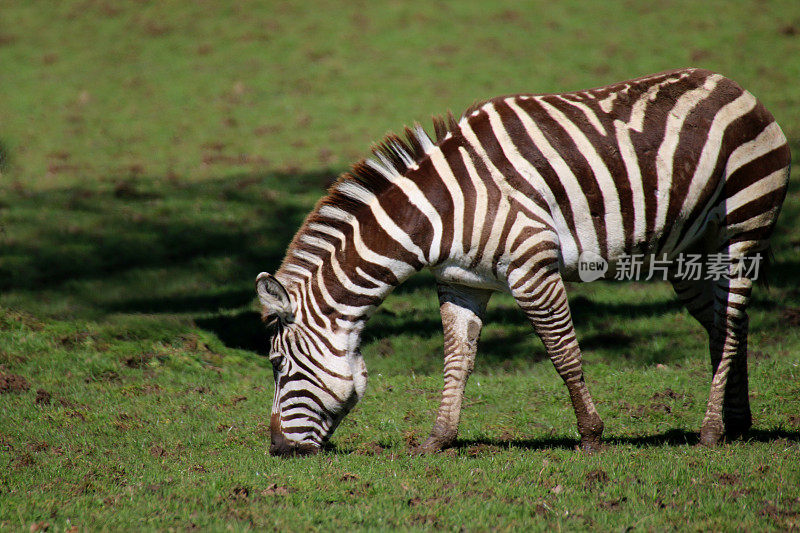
[(507, 198)]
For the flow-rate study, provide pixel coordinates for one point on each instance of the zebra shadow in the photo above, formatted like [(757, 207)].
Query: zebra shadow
[(672, 437)]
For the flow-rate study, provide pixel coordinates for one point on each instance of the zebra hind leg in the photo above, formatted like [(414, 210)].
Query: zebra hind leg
[(462, 312), (728, 410), (544, 301), (697, 296)]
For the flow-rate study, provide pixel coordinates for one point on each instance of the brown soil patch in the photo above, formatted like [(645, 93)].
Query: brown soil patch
[(596, 477), (42, 397), (12, 383), (613, 505), (728, 479), (238, 399), (369, 448), (791, 316), (277, 490), (481, 449), (138, 361), (239, 493), (158, 451), (666, 393)]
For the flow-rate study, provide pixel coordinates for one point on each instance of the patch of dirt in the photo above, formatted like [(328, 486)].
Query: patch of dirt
[(42, 397), (791, 316), (411, 440), (23, 460), (667, 393), (429, 520), (11, 319), (124, 422), (277, 490), (540, 509), (385, 348), (6, 39), (613, 505), (481, 449), (636, 411), (105, 375), (238, 399), (128, 189), (201, 390), (13, 383), (770, 509), (239, 493), (38, 447), (660, 408), (596, 477), (794, 421), (138, 361), (369, 448), (728, 479), (756, 355), (158, 451), (789, 30)]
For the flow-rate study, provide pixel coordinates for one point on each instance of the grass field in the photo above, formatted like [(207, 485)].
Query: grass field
[(155, 156)]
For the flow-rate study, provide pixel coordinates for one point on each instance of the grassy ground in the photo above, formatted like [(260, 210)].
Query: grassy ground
[(155, 156)]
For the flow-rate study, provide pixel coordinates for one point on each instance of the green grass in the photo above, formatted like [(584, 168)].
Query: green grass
[(155, 156)]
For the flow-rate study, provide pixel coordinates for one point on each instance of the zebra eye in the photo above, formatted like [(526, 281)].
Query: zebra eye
[(277, 361)]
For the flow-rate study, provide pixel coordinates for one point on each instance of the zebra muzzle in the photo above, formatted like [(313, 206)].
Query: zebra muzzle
[(283, 447)]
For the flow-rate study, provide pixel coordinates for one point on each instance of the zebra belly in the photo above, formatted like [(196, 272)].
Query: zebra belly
[(453, 273)]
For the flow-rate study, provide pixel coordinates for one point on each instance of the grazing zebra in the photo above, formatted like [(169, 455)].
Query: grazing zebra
[(507, 198)]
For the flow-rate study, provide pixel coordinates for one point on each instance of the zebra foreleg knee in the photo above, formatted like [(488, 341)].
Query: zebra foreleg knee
[(462, 311)]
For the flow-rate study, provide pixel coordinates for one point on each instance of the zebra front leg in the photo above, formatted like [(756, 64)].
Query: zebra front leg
[(462, 312), (543, 298), (728, 410)]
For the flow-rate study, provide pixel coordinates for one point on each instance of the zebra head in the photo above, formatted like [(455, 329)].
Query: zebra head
[(316, 384)]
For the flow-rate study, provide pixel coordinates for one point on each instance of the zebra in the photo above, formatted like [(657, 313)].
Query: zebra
[(507, 198)]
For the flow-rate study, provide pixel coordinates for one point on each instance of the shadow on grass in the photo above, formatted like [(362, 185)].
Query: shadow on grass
[(160, 247), (673, 437), (243, 331), (78, 234)]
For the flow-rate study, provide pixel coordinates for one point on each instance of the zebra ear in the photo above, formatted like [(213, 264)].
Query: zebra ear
[(274, 298)]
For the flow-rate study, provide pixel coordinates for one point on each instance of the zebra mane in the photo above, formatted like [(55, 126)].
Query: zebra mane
[(393, 156)]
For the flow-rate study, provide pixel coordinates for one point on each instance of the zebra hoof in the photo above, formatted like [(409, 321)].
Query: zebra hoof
[(591, 445), (430, 446), (711, 434)]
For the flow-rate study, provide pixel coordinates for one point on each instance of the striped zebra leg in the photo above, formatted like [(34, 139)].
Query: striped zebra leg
[(545, 303), (462, 310), (728, 411), (697, 297)]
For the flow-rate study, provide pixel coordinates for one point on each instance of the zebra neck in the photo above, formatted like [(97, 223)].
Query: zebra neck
[(338, 285)]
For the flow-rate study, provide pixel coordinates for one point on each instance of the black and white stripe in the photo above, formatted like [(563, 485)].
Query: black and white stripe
[(508, 198)]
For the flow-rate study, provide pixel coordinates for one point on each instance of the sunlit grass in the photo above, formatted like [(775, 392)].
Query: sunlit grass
[(155, 157)]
